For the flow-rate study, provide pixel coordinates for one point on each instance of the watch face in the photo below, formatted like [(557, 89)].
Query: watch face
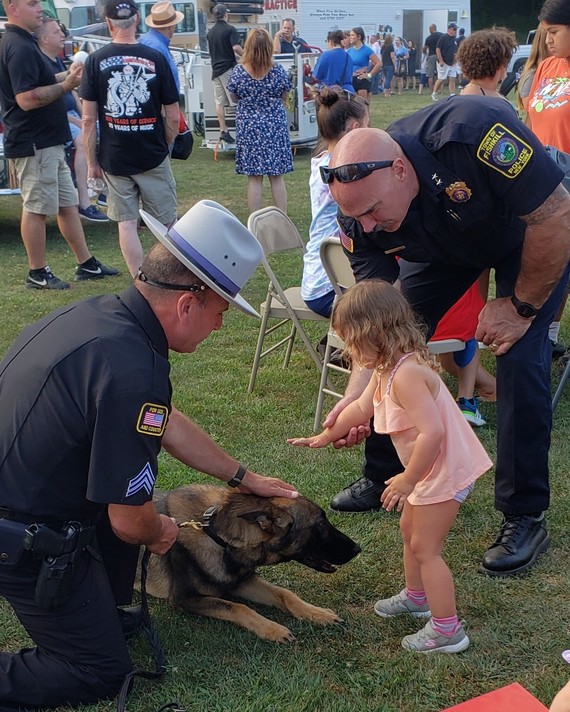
[(526, 310)]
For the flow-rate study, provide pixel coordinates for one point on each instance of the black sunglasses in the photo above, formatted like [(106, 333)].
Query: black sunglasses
[(352, 171)]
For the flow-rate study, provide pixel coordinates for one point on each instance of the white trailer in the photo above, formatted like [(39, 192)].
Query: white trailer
[(411, 20)]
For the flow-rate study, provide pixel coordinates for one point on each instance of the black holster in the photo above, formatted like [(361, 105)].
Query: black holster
[(57, 551)]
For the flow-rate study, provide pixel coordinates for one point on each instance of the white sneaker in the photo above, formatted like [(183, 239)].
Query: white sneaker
[(400, 604), (434, 96), (428, 640)]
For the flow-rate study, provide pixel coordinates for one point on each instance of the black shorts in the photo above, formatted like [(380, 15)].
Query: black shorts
[(361, 83)]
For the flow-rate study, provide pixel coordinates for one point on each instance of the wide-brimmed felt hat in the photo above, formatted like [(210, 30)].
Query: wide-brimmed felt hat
[(215, 246), (120, 9), (163, 14)]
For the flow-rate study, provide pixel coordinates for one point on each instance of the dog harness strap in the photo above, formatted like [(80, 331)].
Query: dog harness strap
[(238, 477)]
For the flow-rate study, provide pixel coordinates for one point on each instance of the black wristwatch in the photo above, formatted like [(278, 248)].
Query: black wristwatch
[(524, 309), (238, 477)]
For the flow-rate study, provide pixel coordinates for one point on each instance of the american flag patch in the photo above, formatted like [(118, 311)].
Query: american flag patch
[(346, 242), (152, 419)]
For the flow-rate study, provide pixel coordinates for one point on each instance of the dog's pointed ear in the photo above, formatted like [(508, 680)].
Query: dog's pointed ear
[(262, 518)]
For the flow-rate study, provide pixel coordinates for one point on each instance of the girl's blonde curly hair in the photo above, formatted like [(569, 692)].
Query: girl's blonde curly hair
[(374, 317)]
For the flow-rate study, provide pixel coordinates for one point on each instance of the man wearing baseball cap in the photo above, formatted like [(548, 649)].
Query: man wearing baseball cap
[(223, 44), (446, 67), (90, 402), (129, 91), (162, 23)]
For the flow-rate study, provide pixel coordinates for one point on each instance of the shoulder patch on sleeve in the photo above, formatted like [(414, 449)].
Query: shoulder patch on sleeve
[(504, 151), (346, 242), (152, 419)]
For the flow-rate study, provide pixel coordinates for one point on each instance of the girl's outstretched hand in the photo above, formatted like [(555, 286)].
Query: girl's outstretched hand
[(396, 493), (313, 441)]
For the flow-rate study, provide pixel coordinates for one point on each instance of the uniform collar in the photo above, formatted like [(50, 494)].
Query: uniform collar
[(141, 310), (433, 176)]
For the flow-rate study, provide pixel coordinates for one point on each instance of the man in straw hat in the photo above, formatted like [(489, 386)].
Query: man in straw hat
[(223, 43), (89, 396), (162, 22), (129, 91)]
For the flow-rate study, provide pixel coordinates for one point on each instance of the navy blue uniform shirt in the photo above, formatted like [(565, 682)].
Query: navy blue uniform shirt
[(479, 168), (85, 394)]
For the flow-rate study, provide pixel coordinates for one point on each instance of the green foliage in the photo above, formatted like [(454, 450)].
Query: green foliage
[(518, 627)]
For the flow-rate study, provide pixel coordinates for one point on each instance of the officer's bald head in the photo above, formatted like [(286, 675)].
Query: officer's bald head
[(364, 145), (390, 189)]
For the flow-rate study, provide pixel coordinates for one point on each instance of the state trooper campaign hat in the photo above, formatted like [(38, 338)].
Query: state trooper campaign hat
[(120, 9), (215, 246)]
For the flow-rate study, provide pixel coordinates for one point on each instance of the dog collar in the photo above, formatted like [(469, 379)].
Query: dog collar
[(208, 526)]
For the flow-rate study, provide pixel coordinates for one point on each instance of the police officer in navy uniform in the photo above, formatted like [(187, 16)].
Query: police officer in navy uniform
[(87, 407), (452, 190)]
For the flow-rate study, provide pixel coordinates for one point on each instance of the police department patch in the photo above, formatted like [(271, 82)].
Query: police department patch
[(152, 419), (504, 151)]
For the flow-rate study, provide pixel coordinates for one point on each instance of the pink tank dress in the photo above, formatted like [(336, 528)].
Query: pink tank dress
[(461, 459)]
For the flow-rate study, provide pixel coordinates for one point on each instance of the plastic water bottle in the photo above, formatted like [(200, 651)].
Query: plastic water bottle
[(97, 185)]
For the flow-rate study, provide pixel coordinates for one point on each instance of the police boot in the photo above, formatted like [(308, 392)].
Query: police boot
[(520, 540)]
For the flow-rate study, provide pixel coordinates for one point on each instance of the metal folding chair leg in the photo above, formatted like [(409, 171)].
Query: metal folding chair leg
[(565, 376)]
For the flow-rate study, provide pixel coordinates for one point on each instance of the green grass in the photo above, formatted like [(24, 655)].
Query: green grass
[(518, 627)]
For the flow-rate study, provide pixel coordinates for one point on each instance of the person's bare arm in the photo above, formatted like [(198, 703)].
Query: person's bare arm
[(545, 254), (352, 416), (359, 379), (187, 442), (439, 56), (43, 96), (238, 49), (277, 43), (143, 525), (89, 130), (171, 121)]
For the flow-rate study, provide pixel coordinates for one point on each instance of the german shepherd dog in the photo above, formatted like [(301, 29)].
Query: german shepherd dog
[(225, 536)]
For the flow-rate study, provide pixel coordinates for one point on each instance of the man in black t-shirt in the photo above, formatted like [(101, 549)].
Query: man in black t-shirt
[(129, 89), (223, 43), (446, 68), (430, 45), (35, 130)]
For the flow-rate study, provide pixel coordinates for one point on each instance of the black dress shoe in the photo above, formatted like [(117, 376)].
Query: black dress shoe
[(131, 620), (360, 496), (521, 539)]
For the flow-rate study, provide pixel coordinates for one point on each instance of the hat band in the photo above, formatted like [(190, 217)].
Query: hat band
[(163, 22), (211, 271)]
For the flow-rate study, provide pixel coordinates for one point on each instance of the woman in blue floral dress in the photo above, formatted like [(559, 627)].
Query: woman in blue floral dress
[(263, 148)]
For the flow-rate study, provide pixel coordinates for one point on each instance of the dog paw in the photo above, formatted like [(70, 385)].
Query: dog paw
[(321, 616), (277, 633)]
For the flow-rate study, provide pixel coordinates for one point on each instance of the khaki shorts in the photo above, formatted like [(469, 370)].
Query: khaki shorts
[(431, 66), (154, 191), (221, 94), (45, 181), (447, 71)]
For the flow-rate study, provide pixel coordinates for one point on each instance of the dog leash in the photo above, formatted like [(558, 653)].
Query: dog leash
[(156, 647), (206, 525)]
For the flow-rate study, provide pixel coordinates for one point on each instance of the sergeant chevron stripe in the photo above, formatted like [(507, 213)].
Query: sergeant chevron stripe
[(144, 480)]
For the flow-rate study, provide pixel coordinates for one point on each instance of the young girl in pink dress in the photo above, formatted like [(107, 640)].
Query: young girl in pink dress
[(442, 457)]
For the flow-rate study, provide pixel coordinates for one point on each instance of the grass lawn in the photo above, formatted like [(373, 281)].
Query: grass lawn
[(518, 627)]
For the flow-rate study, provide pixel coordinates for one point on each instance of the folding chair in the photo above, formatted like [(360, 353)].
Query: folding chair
[(276, 233), (339, 271)]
